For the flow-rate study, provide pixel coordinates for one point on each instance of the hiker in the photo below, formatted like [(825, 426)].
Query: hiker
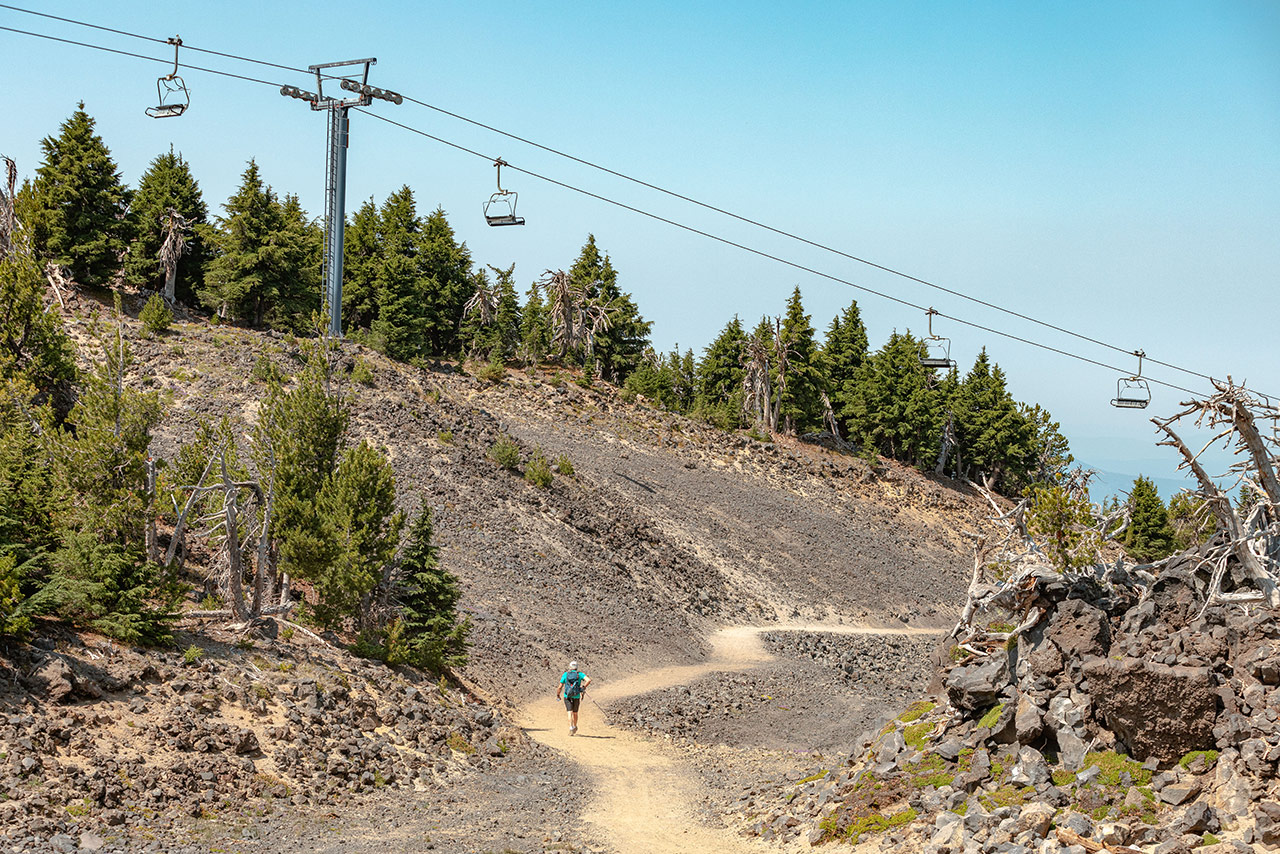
[(573, 682)]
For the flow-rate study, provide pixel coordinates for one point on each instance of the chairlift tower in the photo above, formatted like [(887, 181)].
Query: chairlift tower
[(352, 76)]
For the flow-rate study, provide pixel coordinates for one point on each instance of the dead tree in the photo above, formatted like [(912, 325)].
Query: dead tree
[(1250, 536), (172, 249), (565, 300), (8, 205), (757, 390)]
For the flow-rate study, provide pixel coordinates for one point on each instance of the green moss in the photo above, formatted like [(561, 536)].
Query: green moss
[(916, 735), (1005, 796), (877, 823), (1210, 757), (1210, 839), (1114, 765), (917, 710), (1000, 626), (992, 715), (812, 777), (1063, 777)]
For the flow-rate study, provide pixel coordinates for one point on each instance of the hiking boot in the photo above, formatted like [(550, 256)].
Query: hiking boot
[(573, 730)]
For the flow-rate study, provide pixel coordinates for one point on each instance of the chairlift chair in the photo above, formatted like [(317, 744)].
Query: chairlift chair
[(937, 349), (1133, 392), (172, 95), (501, 207)]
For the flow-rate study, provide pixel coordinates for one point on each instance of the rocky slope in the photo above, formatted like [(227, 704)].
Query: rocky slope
[(1130, 718), (665, 530)]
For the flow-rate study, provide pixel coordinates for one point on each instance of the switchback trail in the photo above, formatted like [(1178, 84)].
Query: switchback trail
[(643, 800)]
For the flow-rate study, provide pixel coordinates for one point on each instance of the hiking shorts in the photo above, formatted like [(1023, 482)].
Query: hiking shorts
[(571, 703)]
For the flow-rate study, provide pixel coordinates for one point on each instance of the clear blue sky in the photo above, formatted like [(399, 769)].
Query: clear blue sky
[(1111, 167)]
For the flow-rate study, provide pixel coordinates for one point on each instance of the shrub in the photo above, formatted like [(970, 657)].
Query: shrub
[(362, 372), (445, 437), (156, 317), (265, 370), (537, 471), (192, 654), (492, 372), (564, 466), (506, 453)]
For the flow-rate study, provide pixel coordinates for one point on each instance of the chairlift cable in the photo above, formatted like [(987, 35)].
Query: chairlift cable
[(763, 254), (138, 55), (656, 217), (250, 59)]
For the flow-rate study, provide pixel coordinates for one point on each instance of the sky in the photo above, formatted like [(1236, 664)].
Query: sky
[(1110, 168)]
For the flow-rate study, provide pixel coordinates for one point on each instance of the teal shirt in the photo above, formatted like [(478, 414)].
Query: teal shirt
[(564, 680)]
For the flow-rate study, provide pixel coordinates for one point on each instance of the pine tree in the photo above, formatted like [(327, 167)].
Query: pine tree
[(245, 278), (400, 284), (535, 328), (1149, 536), (996, 440), (890, 406), (167, 184), (299, 246), (445, 266), (719, 378), (800, 388), (843, 353), (507, 320), (37, 359), (362, 259), (358, 500), (618, 346), (76, 207), (433, 635), (102, 577)]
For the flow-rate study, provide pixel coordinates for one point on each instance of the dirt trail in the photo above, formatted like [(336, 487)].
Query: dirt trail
[(643, 799)]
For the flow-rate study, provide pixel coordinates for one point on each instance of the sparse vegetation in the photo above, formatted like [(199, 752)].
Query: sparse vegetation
[(506, 453), (537, 471), (156, 317)]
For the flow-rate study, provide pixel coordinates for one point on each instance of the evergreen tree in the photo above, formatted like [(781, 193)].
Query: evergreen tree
[(1065, 520), (37, 359), (507, 318), (362, 260), (358, 501), (1051, 455), (535, 327), (843, 353), (1149, 536), (76, 207), (1191, 520), (102, 577), (433, 635), (300, 249), (167, 184), (617, 349), (448, 284), (890, 406), (260, 268), (400, 284), (719, 378), (995, 438), (800, 389)]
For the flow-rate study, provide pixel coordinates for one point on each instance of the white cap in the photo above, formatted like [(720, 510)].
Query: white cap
[(573, 665)]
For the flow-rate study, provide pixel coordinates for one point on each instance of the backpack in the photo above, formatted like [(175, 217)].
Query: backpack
[(573, 684)]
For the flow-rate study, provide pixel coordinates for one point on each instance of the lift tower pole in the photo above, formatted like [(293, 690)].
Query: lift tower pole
[(354, 79)]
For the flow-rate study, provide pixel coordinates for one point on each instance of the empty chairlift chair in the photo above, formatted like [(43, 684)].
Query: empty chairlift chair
[(1133, 392), (171, 93), (501, 207), (937, 349)]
